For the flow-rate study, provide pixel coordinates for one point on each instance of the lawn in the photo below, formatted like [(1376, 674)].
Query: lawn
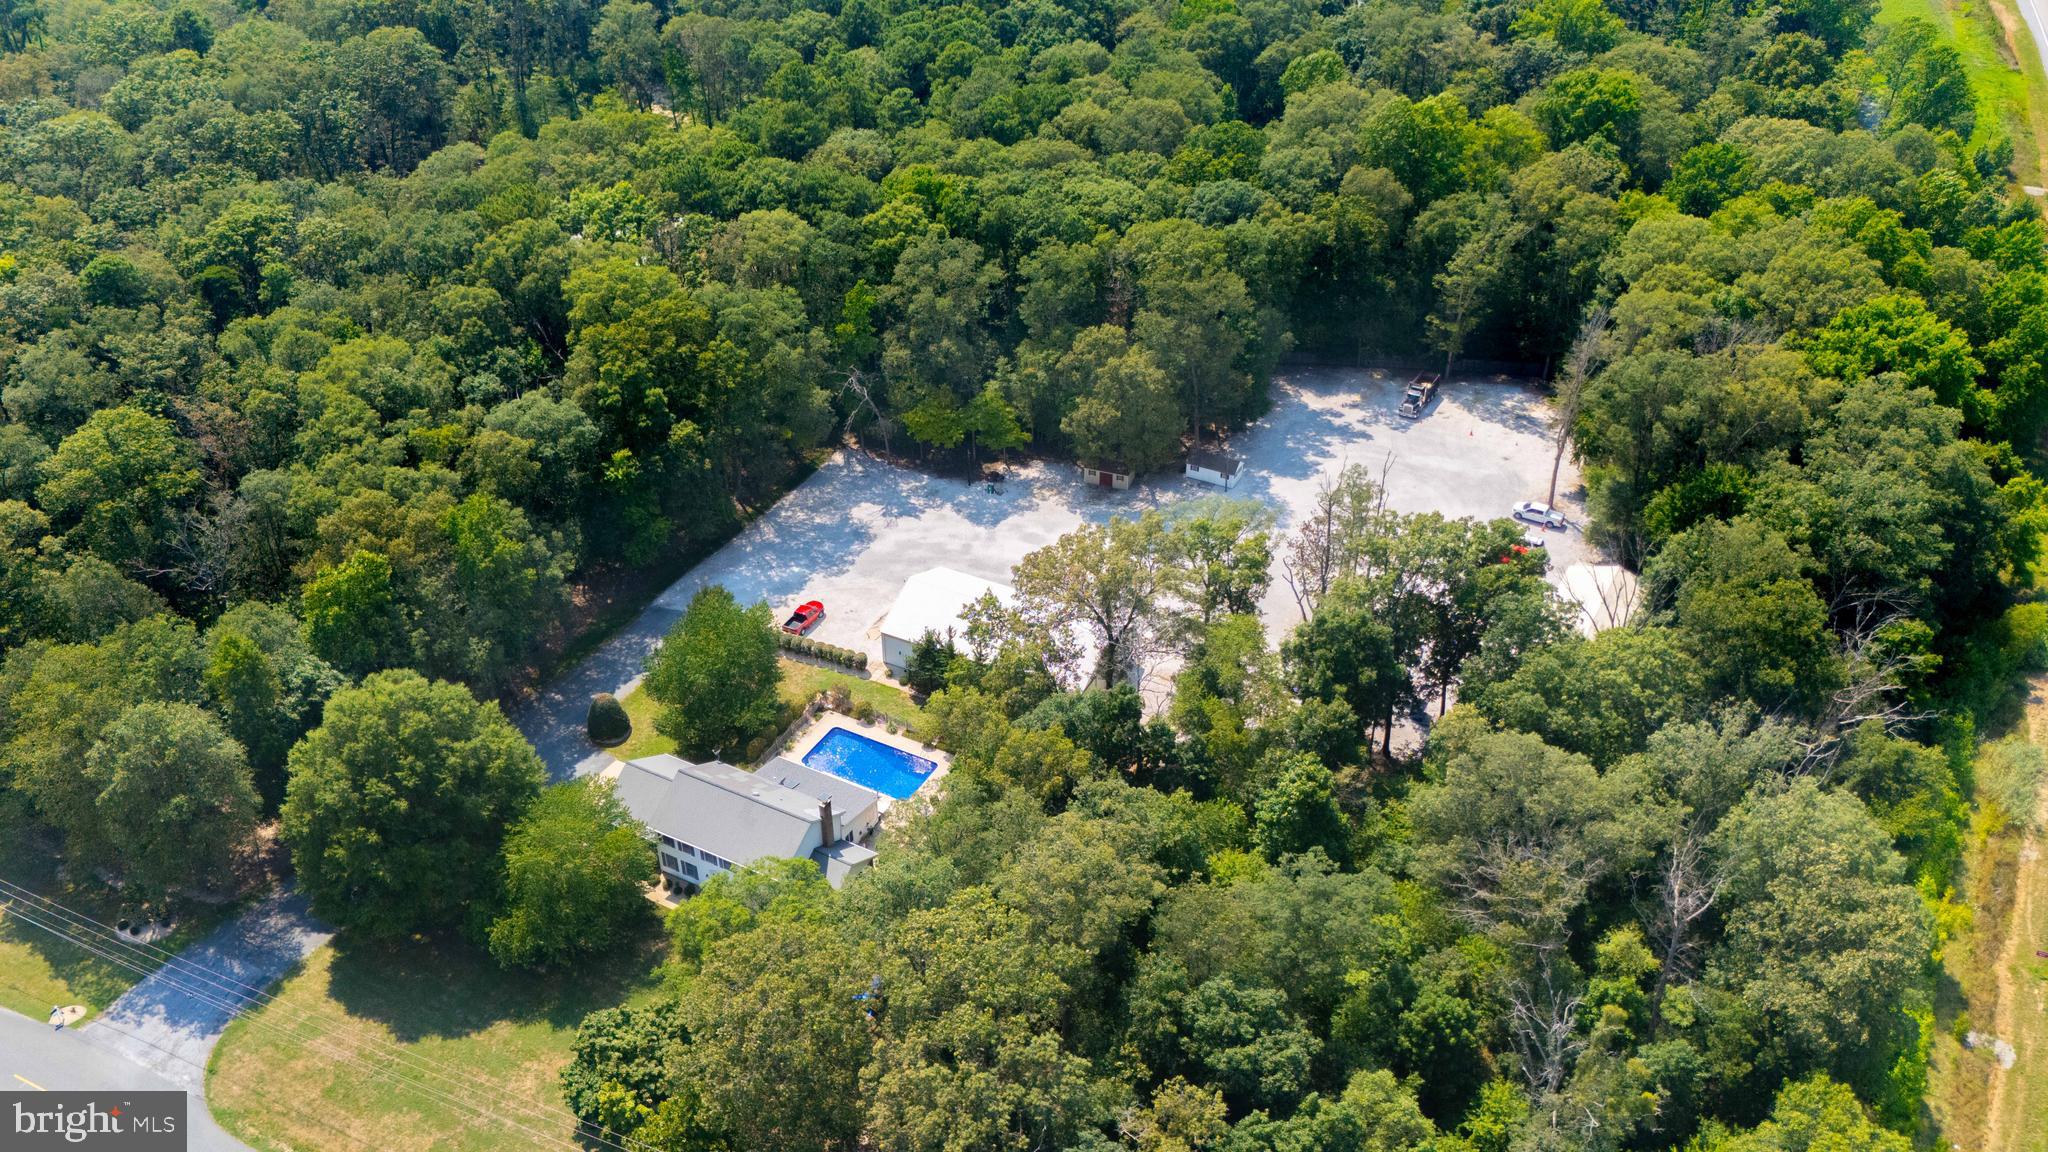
[(39, 970), (801, 680), (391, 1048), (2012, 91)]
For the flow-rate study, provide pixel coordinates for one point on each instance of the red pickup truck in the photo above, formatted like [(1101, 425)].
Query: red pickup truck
[(805, 618)]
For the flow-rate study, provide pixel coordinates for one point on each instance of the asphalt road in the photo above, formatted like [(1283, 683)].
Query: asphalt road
[(35, 1058), (2035, 12)]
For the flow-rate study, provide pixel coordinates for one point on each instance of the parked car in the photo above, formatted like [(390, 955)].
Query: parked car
[(1538, 513), (805, 617), (1533, 539)]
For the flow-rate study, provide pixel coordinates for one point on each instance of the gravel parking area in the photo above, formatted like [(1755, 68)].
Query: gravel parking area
[(857, 528), (1482, 445)]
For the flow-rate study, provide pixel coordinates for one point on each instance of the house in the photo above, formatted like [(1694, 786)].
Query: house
[(934, 600), (1106, 476), (856, 811), (711, 818), (1218, 468)]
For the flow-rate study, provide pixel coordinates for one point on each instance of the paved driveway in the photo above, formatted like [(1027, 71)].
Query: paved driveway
[(170, 1020), (857, 528)]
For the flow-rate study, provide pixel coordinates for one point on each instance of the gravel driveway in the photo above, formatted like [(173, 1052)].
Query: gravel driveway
[(857, 528)]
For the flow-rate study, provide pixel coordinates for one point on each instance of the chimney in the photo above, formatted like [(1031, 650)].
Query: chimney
[(825, 823)]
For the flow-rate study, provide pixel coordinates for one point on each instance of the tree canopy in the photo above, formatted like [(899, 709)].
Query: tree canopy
[(398, 803), (355, 358)]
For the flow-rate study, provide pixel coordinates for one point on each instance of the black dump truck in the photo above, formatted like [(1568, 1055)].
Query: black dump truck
[(1421, 391)]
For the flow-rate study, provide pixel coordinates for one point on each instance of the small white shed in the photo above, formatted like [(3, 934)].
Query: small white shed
[(1219, 468), (1106, 476), (1606, 595)]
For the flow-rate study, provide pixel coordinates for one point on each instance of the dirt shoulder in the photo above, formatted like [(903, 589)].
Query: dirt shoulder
[(2016, 1115)]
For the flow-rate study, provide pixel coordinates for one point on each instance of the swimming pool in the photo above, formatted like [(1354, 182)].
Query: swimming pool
[(870, 763)]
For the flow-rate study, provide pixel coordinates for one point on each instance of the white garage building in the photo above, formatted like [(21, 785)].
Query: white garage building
[(933, 601)]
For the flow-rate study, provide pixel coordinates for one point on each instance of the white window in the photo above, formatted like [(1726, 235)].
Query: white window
[(690, 871)]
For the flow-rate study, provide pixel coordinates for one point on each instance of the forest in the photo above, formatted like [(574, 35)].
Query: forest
[(345, 345)]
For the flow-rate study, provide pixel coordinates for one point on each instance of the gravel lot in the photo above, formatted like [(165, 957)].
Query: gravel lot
[(852, 533)]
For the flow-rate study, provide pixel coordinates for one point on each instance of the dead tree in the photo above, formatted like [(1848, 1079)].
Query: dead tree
[(1876, 686), (858, 383), (1330, 545), (1688, 885), (1543, 1019), (1588, 352)]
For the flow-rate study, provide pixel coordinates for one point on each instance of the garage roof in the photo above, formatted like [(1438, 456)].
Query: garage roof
[(932, 601)]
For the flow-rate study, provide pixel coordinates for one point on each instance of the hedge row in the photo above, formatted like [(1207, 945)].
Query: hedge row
[(833, 653)]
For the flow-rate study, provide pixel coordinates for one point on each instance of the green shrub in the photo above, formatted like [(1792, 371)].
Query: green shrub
[(607, 723), (931, 658), (2009, 774)]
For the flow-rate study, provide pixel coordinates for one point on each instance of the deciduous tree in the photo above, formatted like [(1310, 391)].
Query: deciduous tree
[(715, 674), (574, 867), (397, 805)]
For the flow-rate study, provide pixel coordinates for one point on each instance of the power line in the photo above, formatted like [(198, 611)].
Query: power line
[(470, 1110), (255, 995), (193, 1064)]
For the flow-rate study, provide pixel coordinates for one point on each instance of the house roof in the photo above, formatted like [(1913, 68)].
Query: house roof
[(729, 811), (1221, 463), (848, 799), (840, 860), (933, 600)]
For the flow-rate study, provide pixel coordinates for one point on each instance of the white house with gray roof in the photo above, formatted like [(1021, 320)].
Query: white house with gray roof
[(712, 817)]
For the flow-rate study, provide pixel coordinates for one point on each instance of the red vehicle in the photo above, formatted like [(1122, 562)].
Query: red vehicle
[(805, 618)]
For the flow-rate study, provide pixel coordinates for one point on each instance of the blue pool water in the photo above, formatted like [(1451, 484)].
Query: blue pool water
[(869, 763)]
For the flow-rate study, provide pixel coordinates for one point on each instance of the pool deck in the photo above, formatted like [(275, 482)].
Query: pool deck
[(815, 731)]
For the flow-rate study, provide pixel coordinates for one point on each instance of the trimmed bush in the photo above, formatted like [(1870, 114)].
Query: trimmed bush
[(607, 722), (833, 654)]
